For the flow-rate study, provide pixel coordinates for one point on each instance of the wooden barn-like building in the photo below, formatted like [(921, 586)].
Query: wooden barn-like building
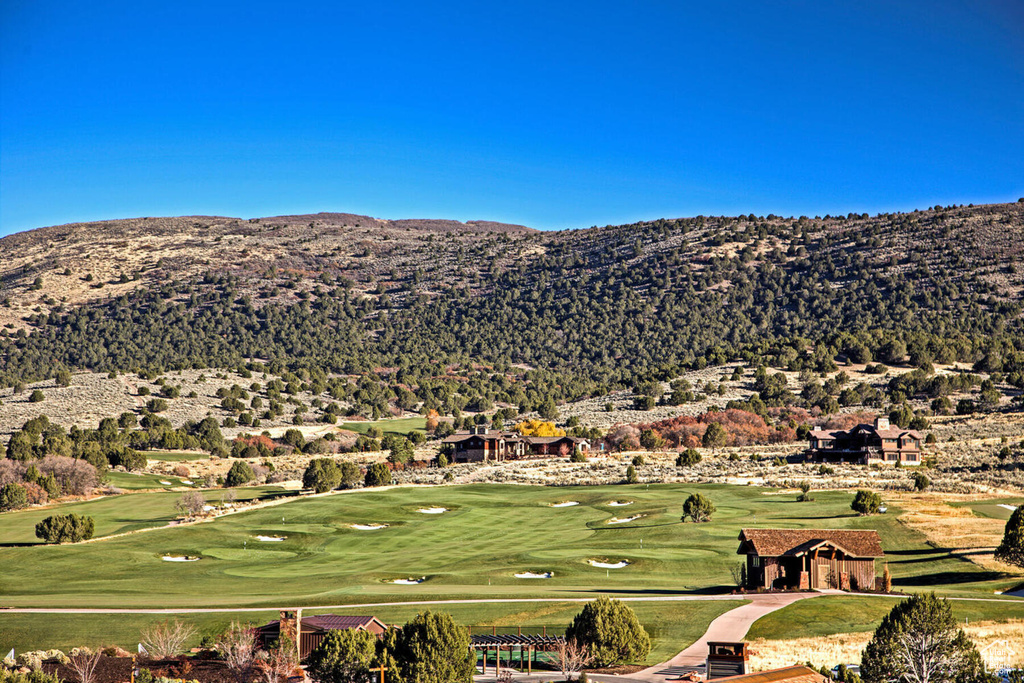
[(307, 632), (810, 558)]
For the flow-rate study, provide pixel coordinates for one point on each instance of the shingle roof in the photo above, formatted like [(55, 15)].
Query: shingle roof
[(890, 433), (332, 622), (491, 434), (551, 439), (778, 542), (791, 674)]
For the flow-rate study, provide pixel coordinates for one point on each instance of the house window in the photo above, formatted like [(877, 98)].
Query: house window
[(755, 561), (911, 457)]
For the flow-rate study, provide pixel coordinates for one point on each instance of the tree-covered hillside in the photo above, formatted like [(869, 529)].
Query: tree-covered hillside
[(553, 316)]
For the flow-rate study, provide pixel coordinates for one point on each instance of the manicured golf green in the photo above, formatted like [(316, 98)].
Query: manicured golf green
[(131, 481), (168, 456), (488, 534), (827, 615), (116, 514)]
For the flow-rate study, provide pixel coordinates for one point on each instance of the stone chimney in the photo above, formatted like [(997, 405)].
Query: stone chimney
[(881, 423), (291, 627)]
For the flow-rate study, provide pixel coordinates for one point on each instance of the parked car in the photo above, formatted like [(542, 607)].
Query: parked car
[(850, 668)]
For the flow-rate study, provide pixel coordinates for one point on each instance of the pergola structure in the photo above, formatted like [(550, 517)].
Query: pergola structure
[(528, 645)]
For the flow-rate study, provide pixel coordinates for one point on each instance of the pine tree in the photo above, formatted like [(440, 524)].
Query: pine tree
[(612, 632), (1011, 550), (919, 641)]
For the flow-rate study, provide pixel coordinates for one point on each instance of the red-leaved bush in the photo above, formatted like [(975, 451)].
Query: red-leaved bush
[(76, 477), (742, 428)]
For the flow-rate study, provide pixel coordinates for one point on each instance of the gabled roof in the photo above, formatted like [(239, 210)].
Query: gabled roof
[(510, 436), (888, 433), (331, 622), (335, 622), (789, 674), (490, 434), (552, 439), (795, 542)]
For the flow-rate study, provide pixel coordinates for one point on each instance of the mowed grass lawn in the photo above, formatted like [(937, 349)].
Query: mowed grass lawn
[(401, 425), (171, 456), (825, 616), (132, 481), (672, 625), (488, 534), (996, 508), (114, 514)]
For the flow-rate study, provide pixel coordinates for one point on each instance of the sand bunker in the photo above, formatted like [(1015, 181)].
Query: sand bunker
[(534, 575), (166, 483), (620, 503), (432, 511), (186, 482), (623, 520), (179, 558), (369, 527), (566, 504), (270, 539), (1011, 508), (609, 565), (409, 582)]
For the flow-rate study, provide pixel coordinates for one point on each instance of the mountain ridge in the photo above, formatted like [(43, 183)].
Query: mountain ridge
[(606, 305)]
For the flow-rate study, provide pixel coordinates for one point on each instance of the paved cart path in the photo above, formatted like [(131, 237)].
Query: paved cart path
[(729, 627)]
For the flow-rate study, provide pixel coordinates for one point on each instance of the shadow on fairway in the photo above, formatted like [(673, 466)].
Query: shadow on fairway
[(917, 551), (951, 553), (710, 590), (946, 578), (803, 518), (615, 527)]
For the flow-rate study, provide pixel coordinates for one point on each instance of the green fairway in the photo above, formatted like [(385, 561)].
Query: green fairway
[(166, 456), (130, 481), (402, 425), (489, 534), (825, 616), (115, 514), (1000, 508)]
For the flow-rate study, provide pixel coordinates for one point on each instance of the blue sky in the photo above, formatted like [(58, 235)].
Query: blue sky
[(550, 114)]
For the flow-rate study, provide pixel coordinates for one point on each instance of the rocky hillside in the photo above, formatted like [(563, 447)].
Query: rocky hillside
[(66, 265)]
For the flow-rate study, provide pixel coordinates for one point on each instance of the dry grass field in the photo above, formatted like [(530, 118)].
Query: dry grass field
[(991, 638), (954, 527)]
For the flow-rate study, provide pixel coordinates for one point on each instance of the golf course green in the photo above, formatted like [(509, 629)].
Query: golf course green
[(446, 543), (331, 552)]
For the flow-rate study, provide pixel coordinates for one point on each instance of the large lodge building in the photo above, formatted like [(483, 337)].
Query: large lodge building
[(866, 444), (481, 444)]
